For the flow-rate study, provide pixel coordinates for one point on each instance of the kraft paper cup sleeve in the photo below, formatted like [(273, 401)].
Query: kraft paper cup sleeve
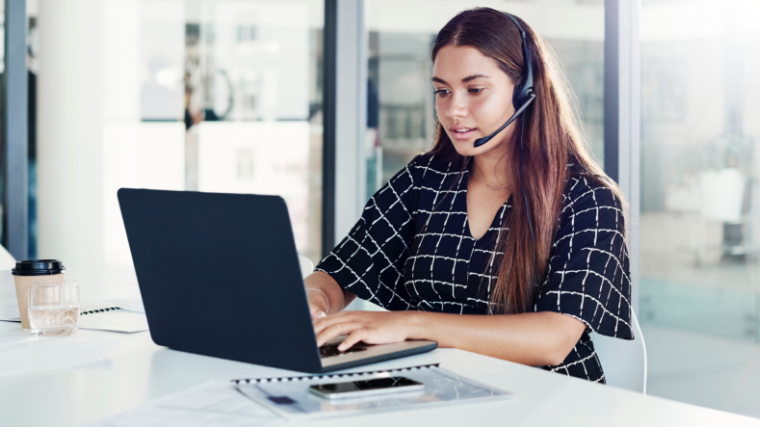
[(23, 284)]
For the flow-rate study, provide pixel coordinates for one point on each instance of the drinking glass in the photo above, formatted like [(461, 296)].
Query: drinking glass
[(54, 308)]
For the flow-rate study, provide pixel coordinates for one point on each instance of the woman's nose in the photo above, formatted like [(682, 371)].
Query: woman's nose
[(457, 107)]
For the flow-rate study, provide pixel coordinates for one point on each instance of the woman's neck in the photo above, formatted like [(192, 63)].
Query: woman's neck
[(492, 166)]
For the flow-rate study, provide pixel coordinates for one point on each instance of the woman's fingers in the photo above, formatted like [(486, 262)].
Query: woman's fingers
[(316, 311), (353, 338), (370, 327), (322, 323), (317, 305), (338, 329)]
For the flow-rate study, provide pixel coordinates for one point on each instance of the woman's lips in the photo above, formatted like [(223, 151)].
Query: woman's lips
[(462, 134)]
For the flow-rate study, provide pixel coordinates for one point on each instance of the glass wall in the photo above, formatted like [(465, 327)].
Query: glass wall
[(699, 201), (400, 95), (208, 95)]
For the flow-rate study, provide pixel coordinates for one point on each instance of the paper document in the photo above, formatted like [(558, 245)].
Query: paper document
[(96, 319), (214, 403), (115, 321), (130, 304), (290, 397)]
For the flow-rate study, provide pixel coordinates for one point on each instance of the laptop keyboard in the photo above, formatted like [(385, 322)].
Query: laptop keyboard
[(329, 350)]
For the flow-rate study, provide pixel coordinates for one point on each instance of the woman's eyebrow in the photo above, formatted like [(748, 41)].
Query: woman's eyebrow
[(464, 80), (473, 77)]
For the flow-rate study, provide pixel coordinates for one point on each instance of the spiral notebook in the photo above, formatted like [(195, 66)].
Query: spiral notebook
[(290, 398), (97, 318)]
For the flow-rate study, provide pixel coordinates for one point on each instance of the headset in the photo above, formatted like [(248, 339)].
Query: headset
[(522, 97), (523, 94)]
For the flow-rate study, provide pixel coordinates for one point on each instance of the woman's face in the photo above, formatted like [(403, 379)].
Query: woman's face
[(473, 98)]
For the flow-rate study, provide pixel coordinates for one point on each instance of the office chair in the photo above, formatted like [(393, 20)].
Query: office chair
[(624, 362)]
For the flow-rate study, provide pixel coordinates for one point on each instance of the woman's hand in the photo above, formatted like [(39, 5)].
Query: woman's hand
[(318, 303), (536, 339), (371, 327), (325, 295)]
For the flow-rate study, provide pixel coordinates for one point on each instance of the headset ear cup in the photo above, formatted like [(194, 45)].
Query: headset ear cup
[(519, 95)]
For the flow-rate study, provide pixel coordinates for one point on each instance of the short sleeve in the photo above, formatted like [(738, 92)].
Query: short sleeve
[(589, 275), (370, 260)]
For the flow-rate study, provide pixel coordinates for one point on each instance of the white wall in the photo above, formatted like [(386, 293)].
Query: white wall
[(90, 138), (70, 139)]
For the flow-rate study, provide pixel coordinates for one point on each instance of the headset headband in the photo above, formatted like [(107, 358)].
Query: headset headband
[(525, 87)]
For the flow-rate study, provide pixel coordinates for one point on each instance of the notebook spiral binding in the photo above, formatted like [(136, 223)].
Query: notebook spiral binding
[(99, 310), (319, 377)]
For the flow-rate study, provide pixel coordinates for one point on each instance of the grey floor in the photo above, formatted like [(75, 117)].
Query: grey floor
[(703, 370)]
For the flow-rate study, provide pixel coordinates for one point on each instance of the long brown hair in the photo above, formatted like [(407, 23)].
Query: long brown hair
[(552, 139)]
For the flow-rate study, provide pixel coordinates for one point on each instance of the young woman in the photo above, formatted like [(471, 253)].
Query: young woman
[(513, 248)]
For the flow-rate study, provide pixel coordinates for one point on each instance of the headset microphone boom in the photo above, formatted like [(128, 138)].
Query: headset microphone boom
[(481, 141)]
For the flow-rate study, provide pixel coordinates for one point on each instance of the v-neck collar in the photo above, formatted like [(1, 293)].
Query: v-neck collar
[(464, 181)]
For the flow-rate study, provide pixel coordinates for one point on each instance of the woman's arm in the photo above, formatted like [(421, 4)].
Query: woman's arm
[(536, 339), (324, 294)]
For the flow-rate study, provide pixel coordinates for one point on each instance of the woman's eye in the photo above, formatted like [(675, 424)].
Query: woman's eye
[(441, 92), (474, 90)]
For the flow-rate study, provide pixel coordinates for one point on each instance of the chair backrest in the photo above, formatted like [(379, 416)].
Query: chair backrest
[(307, 267), (7, 262), (624, 361)]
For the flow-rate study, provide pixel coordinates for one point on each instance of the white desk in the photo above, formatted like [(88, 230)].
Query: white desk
[(135, 370)]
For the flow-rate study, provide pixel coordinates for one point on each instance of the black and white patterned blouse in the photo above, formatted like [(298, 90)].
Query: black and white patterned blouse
[(412, 250)]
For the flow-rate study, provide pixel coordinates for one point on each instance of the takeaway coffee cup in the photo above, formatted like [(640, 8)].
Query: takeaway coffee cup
[(48, 271)]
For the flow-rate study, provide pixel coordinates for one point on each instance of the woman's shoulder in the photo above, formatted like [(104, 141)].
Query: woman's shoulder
[(590, 195), (583, 187), (433, 166)]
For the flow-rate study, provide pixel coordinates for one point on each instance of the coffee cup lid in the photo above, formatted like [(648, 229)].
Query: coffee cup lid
[(38, 267)]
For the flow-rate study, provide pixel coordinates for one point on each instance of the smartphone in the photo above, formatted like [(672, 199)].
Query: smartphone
[(361, 388)]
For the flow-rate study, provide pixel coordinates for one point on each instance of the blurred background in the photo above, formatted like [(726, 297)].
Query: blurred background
[(227, 96)]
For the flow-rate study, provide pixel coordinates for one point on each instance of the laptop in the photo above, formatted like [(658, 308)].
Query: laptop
[(219, 276)]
